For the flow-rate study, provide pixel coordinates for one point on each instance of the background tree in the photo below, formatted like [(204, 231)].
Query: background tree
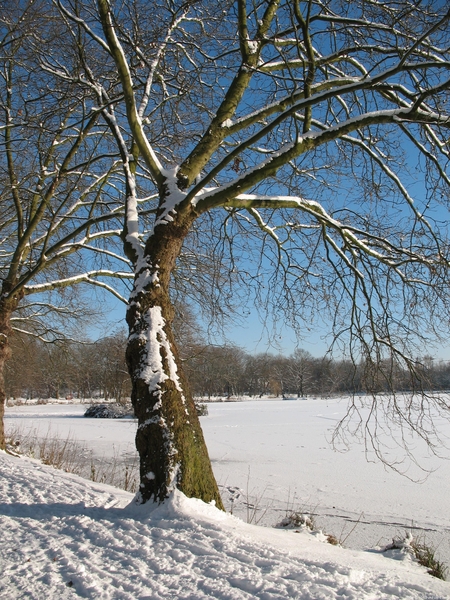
[(310, 140), (85, 369), (216, 371), (58, 195), (300, 372), (110, 359)]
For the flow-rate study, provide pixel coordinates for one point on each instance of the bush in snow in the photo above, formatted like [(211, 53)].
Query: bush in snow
[(202, 409), (109, 411)]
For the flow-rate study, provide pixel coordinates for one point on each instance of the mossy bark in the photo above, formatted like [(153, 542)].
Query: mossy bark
[(169, 439)]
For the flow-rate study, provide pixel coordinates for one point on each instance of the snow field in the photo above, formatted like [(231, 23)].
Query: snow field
[(272, 454)]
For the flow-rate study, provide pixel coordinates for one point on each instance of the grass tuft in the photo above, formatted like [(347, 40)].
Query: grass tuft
[(426, 556), (66, 454), (421, 552)]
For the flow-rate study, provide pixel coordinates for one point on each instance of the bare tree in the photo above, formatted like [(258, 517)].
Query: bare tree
[(58, 197), (309, 136), (110, 352), (300, 371), (215, 370)]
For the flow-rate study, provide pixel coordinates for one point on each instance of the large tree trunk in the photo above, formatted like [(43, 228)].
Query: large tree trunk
[(169, 439)]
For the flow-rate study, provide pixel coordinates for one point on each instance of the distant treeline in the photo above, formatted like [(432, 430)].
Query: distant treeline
[(65, 369)]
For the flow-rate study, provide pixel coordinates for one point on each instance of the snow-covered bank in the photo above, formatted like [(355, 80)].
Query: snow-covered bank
[(64, 537), (277, 456)]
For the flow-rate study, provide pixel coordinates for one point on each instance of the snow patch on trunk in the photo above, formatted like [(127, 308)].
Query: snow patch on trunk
[(146, 275), (155, 339), (253, 46), (174, 197)]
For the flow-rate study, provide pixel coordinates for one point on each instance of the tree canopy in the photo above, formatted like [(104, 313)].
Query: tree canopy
[(320, 133), (303, 148)]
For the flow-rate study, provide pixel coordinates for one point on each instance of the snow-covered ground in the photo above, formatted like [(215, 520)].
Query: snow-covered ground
[(272, 454), (65, 537)]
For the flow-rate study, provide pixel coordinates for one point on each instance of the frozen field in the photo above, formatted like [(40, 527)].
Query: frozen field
[(272, 456)]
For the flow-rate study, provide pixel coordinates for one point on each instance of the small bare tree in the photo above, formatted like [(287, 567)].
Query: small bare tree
[(299, 371), (310, 135)]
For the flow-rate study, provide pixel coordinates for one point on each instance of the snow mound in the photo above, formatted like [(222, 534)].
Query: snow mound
[(65, 537)]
